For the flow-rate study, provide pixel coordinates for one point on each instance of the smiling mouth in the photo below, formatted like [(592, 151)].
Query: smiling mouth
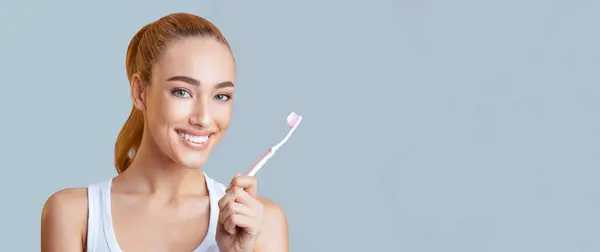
[(193, 138)]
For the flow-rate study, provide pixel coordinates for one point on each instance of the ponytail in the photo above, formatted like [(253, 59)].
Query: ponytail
[(129, 140), (130, 137)]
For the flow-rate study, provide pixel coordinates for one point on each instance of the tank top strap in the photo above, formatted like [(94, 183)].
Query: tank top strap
[(96, 235), (216, 191), (94, 220)]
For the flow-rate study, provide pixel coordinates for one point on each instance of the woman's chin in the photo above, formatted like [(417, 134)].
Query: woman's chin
[(187, 157), (192, 161)]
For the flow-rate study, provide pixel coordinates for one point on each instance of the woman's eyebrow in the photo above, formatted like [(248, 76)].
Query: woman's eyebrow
[(192, 81)]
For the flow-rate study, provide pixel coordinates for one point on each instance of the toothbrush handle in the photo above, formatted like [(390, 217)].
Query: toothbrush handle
[(261, 162)]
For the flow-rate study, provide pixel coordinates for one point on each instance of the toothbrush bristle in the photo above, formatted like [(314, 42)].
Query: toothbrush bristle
[(293, 119)]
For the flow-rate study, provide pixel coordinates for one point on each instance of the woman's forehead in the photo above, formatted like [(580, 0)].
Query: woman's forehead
[(204, 59)]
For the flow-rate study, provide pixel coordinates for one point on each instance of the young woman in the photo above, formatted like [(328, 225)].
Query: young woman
[(182, 76)]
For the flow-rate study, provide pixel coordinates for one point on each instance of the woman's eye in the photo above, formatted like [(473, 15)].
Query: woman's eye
[(181, 93), (222, 97)]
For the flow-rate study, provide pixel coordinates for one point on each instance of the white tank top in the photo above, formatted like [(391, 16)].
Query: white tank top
[(101, 236)]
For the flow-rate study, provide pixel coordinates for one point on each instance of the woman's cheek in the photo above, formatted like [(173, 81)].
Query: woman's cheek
[(178, 110), (222, 114)]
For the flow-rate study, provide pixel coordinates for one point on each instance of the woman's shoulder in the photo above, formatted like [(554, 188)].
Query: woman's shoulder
[(274, 213), (72, 200), (64, 217), (68, 202), (274, 235)]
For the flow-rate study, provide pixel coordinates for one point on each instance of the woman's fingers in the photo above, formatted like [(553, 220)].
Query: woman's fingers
[(230, 196), (249, 224), (237, 194), (234, 208), (239, 208), (248, 183)]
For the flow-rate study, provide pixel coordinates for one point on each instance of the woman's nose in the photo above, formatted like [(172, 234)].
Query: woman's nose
[(202, 116)]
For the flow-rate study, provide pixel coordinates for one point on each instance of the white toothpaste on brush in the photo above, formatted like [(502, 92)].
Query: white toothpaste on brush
[(293, 120)]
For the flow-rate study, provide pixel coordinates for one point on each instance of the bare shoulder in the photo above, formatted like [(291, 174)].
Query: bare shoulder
[(70, 202), (272, 209), (69, 195), (64, 220), (274, 235)]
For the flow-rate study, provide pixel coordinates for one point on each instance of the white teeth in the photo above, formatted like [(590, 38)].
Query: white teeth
[(194, 139)]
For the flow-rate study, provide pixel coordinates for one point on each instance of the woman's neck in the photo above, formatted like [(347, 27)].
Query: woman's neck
[(152, 172)]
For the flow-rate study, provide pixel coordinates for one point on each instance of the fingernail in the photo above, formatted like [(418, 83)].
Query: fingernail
[(239, 174)]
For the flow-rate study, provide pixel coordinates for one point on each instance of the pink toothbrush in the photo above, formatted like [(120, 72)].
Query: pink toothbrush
[(293, 120)]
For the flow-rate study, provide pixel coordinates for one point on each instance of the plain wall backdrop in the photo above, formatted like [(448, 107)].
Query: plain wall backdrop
[(429, 125)]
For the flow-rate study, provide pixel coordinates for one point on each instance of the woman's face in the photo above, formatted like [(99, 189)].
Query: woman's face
[(188, 105)]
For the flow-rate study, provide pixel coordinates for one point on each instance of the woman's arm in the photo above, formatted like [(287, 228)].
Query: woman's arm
[(64, 221), (274, 235)]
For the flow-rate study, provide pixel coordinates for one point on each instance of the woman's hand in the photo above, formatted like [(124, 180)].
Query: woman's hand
[(240, 216)]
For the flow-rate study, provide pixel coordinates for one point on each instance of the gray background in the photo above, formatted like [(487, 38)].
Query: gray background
[(429, 125)]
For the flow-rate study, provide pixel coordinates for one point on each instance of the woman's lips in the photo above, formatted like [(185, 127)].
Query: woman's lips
[(196, 142)]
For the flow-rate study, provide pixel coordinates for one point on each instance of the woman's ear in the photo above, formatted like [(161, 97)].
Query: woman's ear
[(138, 92)]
